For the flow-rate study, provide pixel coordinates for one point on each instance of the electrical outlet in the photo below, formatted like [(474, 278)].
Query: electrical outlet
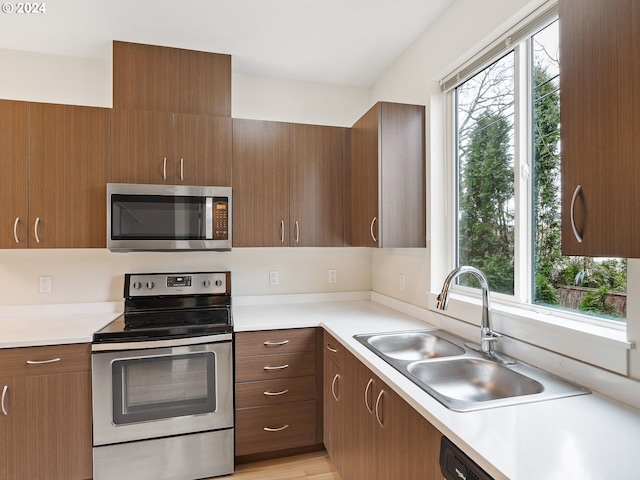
[(273, 277), (403, 284), (333, 276), (45, 284)]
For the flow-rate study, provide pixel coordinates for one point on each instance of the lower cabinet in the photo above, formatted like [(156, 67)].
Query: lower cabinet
[(376, 434), (45, 416), (276, 386)]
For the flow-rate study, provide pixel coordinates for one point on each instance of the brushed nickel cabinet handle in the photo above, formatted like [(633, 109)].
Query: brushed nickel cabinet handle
[(15, 229), (275, 344), (278, 429), (4, 395), (366, 392), (331, 349), (281, 231), (164, 169), (297, 232), (378, 408), (279, 367), (275, 394), (573, 220), (333, 386), (35, 229), (182, 169), (373, 235), (40, 362)]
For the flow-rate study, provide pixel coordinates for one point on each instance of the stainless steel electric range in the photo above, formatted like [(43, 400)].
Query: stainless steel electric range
[(162, 377)]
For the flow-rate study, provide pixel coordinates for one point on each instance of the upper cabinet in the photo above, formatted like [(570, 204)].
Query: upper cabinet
[(176, 149), (14, 161), (56, 161), (163, 79), (600, 117), (287, 184), (171, 116), (387, 177)]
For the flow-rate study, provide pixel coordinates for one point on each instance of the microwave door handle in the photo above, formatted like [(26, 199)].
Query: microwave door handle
[(209, 217)]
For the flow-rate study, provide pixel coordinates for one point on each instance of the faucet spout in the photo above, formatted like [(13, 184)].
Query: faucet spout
[(487, 335)]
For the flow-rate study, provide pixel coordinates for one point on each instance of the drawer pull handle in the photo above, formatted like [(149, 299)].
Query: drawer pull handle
[(366, 392), (279, 367), (4, 395), (275, 344), (40, 362), (273, 394), (331, 349), (279, 429), (333, 386)]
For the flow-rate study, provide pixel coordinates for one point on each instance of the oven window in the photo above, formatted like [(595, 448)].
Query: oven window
[(152, 388)]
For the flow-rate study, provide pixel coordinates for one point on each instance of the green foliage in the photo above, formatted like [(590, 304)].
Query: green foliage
[(596, 302), (486, 221)]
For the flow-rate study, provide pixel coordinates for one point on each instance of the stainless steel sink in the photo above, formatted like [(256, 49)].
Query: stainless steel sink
[(413, 346), (462, 378)]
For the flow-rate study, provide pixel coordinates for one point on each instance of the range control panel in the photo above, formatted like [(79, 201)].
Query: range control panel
[(167, 284)]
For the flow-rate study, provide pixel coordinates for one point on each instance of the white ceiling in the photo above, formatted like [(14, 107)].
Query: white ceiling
[(344, 42)]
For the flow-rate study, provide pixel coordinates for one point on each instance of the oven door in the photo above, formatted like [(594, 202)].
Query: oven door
[(144, 393)]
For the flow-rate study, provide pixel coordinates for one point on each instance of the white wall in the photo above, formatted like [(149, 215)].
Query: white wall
[(95, 275)]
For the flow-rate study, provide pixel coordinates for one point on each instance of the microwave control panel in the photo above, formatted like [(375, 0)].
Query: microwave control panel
[(220, 220)]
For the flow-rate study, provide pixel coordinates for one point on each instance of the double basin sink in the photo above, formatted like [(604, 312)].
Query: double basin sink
[(462, 378)]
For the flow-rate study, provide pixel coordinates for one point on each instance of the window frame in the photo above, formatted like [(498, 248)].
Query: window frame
[(518, 40)]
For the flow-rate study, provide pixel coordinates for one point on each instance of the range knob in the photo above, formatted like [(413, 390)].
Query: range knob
[(137, 285), (207, 283), (150, 285), (218, 283)]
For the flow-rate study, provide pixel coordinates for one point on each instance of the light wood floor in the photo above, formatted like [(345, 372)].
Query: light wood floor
[(310, 466)]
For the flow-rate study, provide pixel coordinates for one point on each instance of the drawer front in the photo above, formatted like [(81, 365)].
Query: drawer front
[(273, 392), (332, 349), (265, 429), (249, 369), (45, 360), (275, 342)]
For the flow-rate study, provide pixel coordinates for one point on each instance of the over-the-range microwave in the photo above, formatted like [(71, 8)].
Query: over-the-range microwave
[(168, 217)]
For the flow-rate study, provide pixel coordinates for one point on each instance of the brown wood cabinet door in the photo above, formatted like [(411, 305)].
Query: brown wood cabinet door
[(202, 150), (333, 404), (14, 199), (364, 180), (8, 428), (142, 147), (163, 79), (316, 209), (260, 183), (68, 173), (359, 441), (402, 221), (408, 445), (600, 127), (52, 436)]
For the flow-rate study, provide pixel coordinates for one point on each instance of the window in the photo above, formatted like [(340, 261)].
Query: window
[(506, 133)]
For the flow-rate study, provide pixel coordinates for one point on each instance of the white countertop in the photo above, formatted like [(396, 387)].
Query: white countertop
[(584, 437), (33, 326)]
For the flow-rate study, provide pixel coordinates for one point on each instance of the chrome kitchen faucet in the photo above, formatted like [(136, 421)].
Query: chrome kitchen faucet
[(487, 335)]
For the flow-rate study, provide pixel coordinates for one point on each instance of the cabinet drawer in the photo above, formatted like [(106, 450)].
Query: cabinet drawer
[(273, 342), (45, 360), (270, 367), (332, 349), (272, 392), (265, 429)]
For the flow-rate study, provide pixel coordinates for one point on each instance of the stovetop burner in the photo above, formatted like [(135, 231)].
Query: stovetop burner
[(167, 306)]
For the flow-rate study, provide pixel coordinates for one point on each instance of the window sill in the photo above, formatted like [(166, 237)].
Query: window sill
[(602, 346)]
